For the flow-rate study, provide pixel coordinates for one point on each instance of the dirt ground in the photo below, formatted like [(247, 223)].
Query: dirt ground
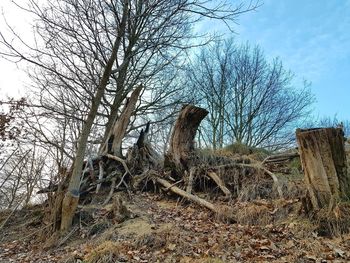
[(162, 229)]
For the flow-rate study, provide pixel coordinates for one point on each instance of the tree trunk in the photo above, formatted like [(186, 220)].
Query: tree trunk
[(323, 159), (182, 138), (117, 101), (71, 199), (115, 138)]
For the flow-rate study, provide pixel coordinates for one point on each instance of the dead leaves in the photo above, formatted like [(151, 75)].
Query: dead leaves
[(170, 231)]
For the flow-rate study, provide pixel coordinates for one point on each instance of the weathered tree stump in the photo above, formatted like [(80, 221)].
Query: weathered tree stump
[(182, 138), (323, 160), (116, 135)]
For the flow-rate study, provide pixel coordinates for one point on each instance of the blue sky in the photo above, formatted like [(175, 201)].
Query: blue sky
[(312, 38)]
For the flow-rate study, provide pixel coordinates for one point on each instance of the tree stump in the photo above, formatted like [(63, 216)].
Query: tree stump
[(323, 160), (182, 138), (116, 135)]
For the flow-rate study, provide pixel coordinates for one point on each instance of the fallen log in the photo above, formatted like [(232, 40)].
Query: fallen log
[(221, 211)]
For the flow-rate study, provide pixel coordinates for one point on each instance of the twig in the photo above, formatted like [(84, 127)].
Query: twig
[(12, 212), (176, 183), (69, 235)]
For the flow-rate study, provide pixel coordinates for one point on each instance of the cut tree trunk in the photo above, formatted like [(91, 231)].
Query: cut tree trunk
[(182, 138), (323, 160)]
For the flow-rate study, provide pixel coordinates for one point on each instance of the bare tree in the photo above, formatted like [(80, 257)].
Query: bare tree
[(329, 122), (22, 162), (250, 100), (89, 54)]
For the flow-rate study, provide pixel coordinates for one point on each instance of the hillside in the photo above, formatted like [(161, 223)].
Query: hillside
[(162, 229)]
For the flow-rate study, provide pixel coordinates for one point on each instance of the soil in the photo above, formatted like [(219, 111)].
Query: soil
[(163, 229)]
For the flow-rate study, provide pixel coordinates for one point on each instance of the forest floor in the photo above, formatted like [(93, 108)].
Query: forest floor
[(162, 229)]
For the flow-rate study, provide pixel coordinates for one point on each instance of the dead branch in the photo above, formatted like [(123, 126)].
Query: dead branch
[(277, 158), (176, 183), (220, 184), (120, 126), (202, 202)]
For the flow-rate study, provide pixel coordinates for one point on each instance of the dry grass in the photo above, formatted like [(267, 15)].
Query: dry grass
[(266, 212), (252, 214), (201, 260), (334, 223), (106, 252)]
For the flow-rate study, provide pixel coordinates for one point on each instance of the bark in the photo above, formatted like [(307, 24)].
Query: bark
[(142, 157), (69, 205), (323, 160), (120, 126), (182, 138), (118, 99), (71, 198)]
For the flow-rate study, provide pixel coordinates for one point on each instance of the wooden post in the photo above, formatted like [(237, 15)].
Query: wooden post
[(323, 159)]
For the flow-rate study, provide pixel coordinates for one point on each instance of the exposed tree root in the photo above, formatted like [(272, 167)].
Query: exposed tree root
[(111, 192), (110, 156), (100, 176), (257, 167), (190, 180)]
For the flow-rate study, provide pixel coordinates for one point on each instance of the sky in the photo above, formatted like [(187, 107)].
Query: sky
[(312, 38)]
